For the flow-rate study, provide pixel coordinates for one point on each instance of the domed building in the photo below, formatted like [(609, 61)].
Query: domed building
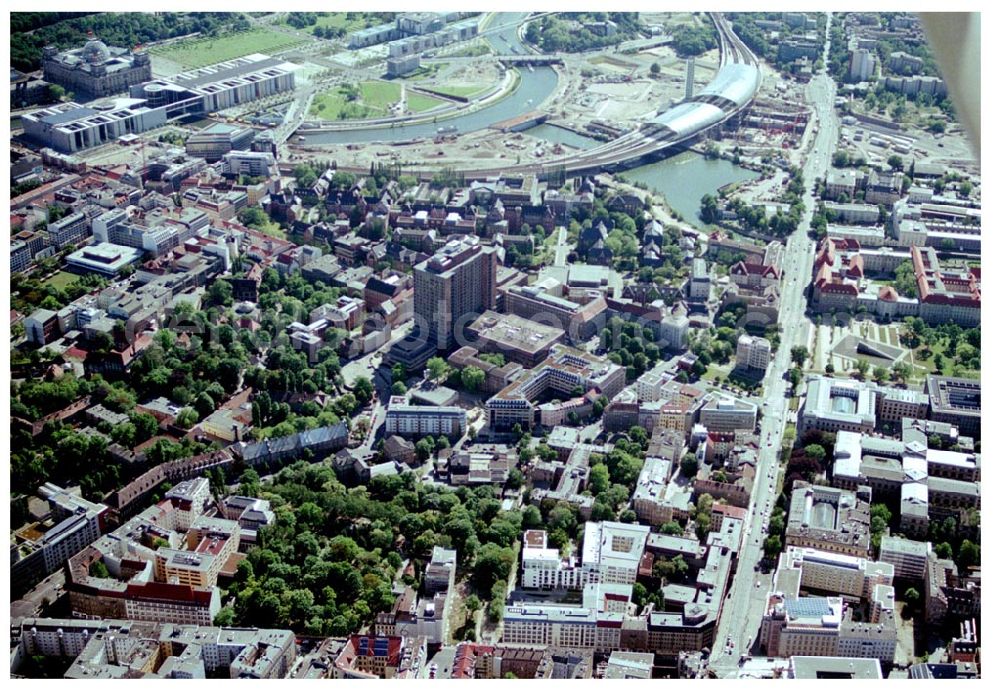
[(96, 70)]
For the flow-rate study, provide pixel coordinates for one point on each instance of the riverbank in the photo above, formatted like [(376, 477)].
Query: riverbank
[(509, 85)]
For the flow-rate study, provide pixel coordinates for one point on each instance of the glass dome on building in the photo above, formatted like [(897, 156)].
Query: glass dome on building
[(96, 51)]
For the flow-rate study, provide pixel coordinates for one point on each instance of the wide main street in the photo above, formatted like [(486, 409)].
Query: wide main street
[(743, 610)]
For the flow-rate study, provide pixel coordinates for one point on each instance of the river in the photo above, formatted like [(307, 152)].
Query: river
[(534, 88), (682, 179)]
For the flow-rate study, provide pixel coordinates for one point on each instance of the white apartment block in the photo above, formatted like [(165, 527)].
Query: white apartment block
[(402, 418), (611, 551), (727, 413), (543, 567), (834, 573), (867, 640), (562, 626), (650, 386), (753, 353)]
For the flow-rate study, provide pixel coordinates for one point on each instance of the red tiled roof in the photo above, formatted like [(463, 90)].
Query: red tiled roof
[(168, 592)]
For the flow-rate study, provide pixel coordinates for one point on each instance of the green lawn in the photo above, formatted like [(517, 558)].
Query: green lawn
[(374, 100), (61, 280), (333, 19), (715, 371), (271, 228), (950, 364), (461, 90), (201, 52), (417, 102), (379, 95)]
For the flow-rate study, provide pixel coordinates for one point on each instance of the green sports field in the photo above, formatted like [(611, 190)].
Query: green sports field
[(201, 52)]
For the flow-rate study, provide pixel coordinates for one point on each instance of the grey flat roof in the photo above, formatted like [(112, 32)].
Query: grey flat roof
[(69, 115), (235, 71)]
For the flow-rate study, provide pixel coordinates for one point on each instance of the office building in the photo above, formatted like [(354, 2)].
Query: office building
[(907, 557), (523, 341), (544, 568), (423, 420), (725, 413), (76, 524), (862, 65), (381, 657), (70, 127), (213, 142), (834, 573), (829, 519), (440, 572), (103, 258), (834, 668), (452, 288), (700, 284), (565, 372), (69, 230), (833, 405), (96, 70), (246, 162), (956, 401)]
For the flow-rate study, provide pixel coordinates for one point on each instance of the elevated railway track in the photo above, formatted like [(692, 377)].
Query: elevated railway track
[(728, 95)]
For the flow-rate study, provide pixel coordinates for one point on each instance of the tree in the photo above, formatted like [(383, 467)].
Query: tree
[(689, 465), (399, 388), (901, 372), (423, 448), (600, 480), (398, 373), (99, 570), (794, 377), (862, 367), (220, 293), (829, 368), (799, 355), (943, 550), (493, 564), (531, 517), (473, 379), (654, 69), (250, 483), (437, 368), (515, 480), (772, 546), (225, 618), (254, 217), (305, 176), (912, 597), (187, 418), (816, 452), (968, 554), (880, 374), (895, 163), (709, 208), (672, 528), (702, 525), (56, 92), (364, 390), (441, 443)]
